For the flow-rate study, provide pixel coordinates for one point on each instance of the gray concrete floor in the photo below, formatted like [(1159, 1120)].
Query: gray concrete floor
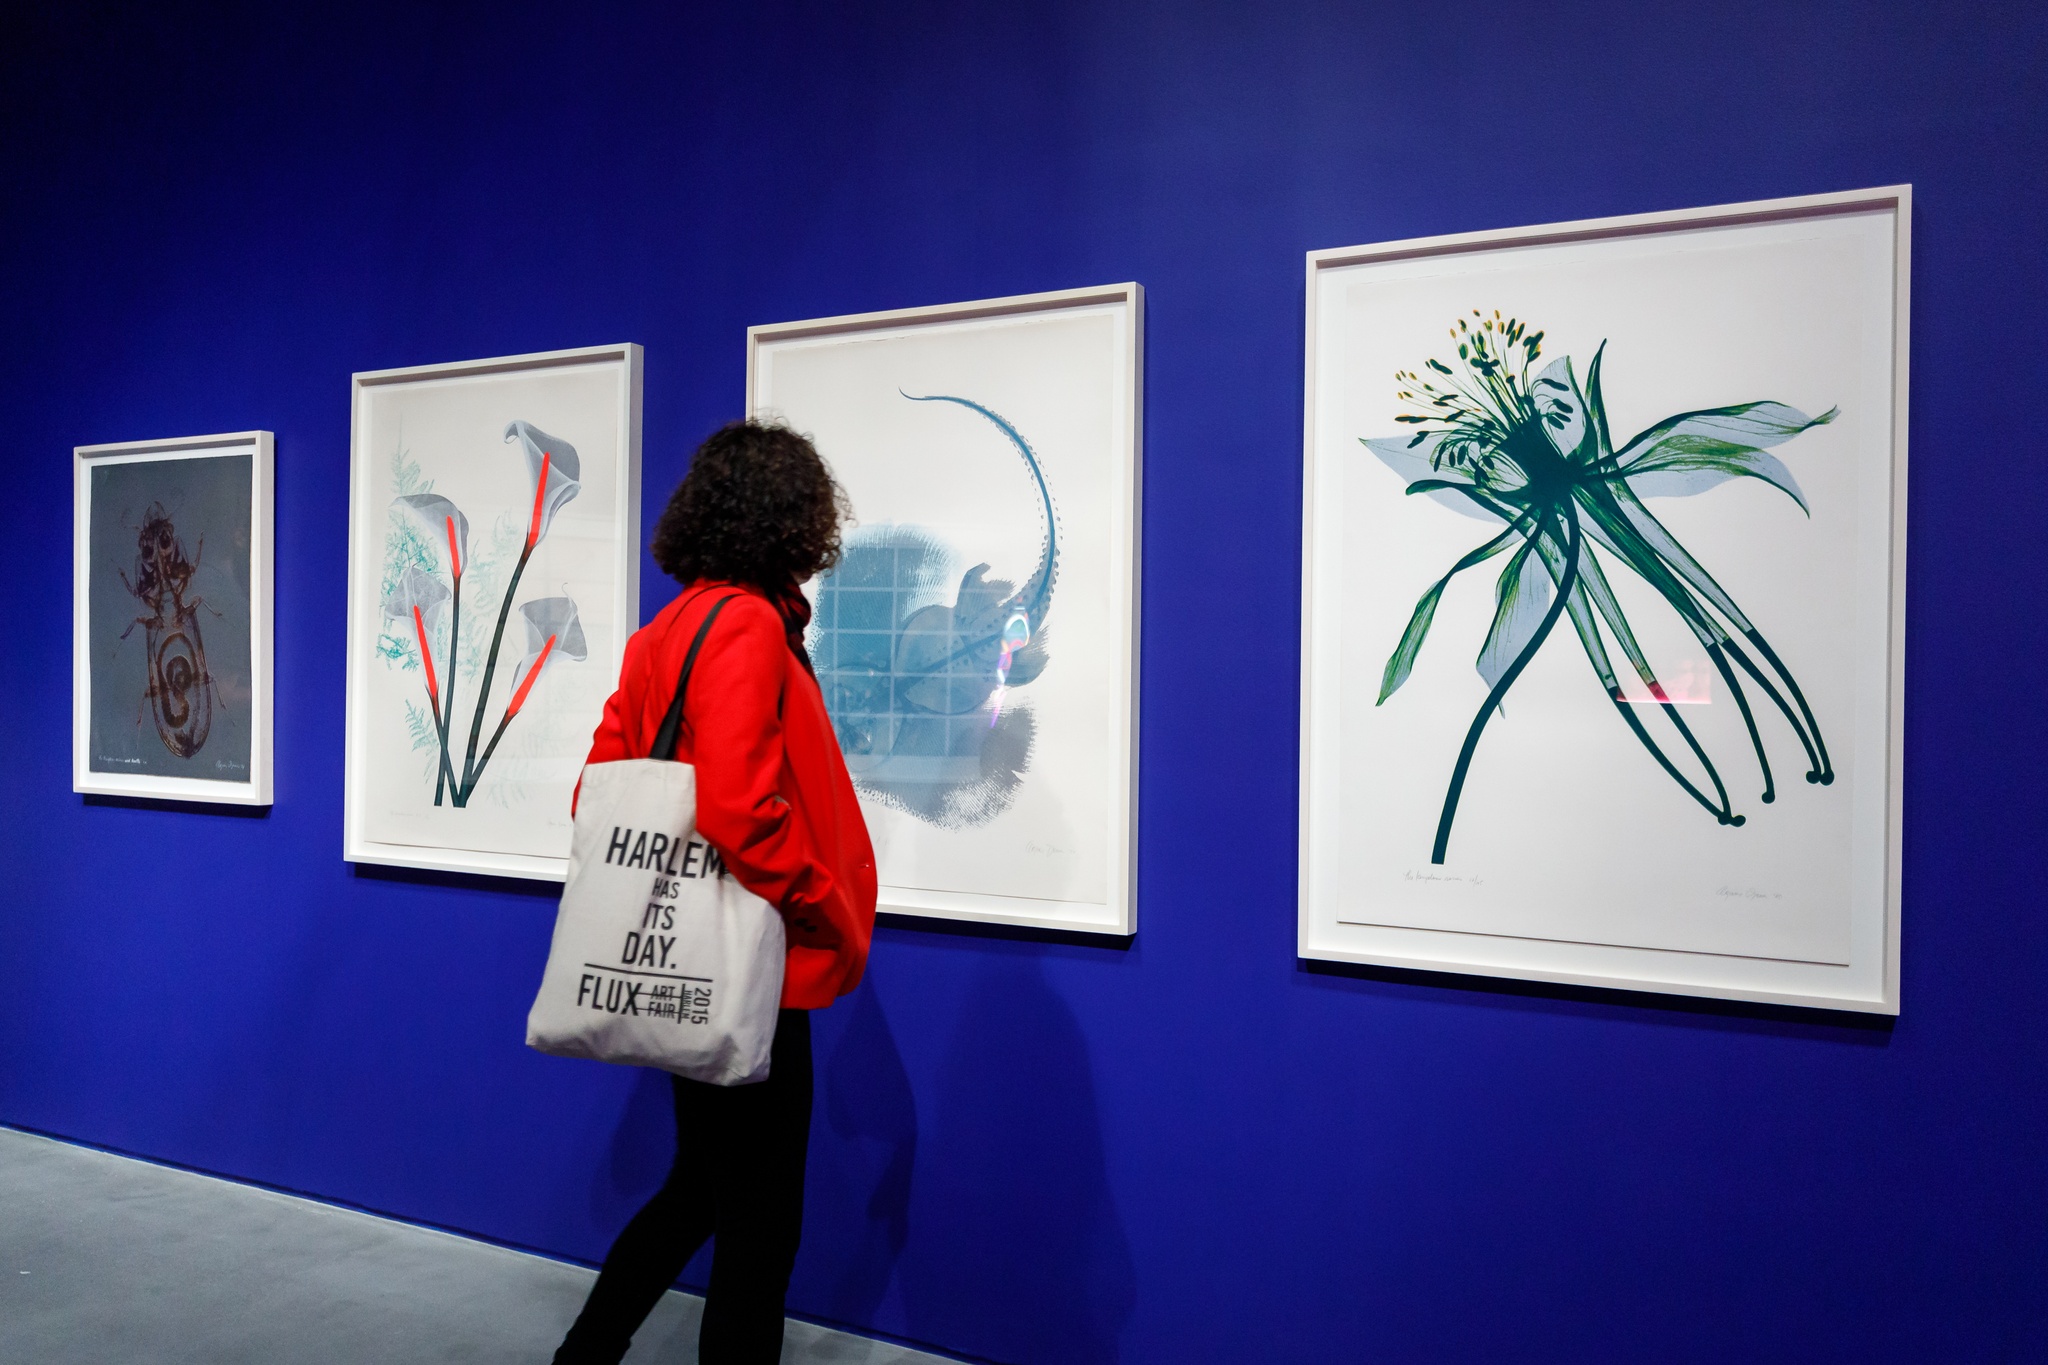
[(110, 1261)]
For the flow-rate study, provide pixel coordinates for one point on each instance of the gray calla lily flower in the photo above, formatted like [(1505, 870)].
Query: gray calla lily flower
[(417, 589), (443, 522), (553, 631), (417, 600), (556, 473)]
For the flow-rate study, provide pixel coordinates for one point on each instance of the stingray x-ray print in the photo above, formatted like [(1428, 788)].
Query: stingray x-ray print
[(976, 643)]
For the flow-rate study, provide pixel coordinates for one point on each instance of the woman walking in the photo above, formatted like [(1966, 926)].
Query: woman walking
[(757, 514)]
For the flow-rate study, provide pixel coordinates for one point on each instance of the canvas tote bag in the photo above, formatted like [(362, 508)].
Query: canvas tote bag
[(660, 958)]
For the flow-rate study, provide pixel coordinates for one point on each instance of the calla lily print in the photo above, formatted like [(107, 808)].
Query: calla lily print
[(431, 530), (1535, 455)]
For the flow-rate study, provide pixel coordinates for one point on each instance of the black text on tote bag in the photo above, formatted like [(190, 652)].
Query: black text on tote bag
[(660, 957)]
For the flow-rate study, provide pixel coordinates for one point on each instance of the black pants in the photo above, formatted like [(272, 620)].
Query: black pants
[(738, 1177)]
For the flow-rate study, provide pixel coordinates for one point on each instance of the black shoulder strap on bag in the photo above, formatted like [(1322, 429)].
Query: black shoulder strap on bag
[(672, 723)]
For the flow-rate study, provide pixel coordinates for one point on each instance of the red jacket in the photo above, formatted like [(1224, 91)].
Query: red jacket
[(773, 796)]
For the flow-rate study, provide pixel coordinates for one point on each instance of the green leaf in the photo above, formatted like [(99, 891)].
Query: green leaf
[(1402, 662), (1747, 425), (1654, 534), (1596, 407), (1588, 630), (1583, 622), (1608, 524), (1521, 600), (1410, 459), (1601, 594), (1695, 451), (1562, 406), (1684, 467), (1461, 487)]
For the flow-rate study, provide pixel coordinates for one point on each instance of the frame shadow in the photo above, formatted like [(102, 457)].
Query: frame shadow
[(473, 881), (183, 807), (1554, 997), (1014, 933)]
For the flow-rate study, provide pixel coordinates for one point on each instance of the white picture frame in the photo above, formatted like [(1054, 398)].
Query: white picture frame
[(484, 434), (1579, 864), (212, 711), (1056, 378)]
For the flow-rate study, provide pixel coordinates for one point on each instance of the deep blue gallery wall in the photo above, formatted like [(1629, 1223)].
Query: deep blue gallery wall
[(1192, 1149)]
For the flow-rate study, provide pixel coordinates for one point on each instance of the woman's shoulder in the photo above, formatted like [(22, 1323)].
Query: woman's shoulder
[(745, 613)]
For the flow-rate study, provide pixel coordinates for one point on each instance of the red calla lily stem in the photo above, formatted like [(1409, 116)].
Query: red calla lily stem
[(519, 697), (419, 627), (446, 773)]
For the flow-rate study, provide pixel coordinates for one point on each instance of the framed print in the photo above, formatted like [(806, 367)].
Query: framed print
[(977, 643), (1603, 602), (494, 553), (171, 616)]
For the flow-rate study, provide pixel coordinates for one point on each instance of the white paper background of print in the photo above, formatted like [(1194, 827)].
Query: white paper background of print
[(1058, 380), (455, 429), (1567, 830)]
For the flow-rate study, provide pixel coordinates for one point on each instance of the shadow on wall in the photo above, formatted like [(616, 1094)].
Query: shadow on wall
[(643, 1146), (1016, 1250), (871, 1111), (992, 1230)]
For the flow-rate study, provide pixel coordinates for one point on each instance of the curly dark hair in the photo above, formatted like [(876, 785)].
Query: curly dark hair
[(757, 507)]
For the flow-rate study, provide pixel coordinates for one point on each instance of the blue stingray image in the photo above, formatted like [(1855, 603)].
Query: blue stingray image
[(922, 690)]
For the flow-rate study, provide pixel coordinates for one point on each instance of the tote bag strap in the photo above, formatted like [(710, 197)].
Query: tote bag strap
[(672, 723)]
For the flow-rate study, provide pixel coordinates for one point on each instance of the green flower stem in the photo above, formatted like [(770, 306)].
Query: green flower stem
[(1748, 665), (470, 771), (1720, 646), (1507, 680), (490, 749), (1756, 741), (1603, 602), (446, 772), (1722, 811), (446, 716), (1628, 714), (1653, 569), (1824, 772), (1616, 523)]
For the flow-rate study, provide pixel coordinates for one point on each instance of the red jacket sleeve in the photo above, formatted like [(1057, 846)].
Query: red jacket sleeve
[(734, 712)]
